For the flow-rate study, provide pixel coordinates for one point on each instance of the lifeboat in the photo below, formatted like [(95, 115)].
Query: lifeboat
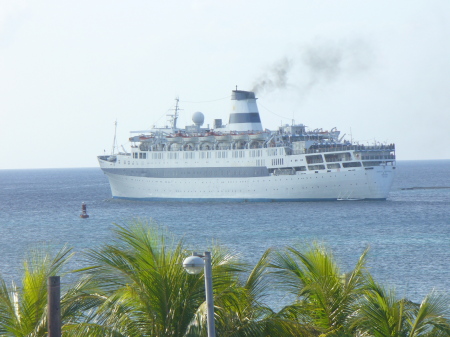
[(208, 137), (258, 136), (239, 136), (190, 139), (174, 139), (145, 138), (222, 137)]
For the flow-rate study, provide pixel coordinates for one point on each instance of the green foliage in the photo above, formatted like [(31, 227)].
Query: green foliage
[(325, 296), (136, 286), (23, 310), (381, 314), (147, 291), (340, 304)]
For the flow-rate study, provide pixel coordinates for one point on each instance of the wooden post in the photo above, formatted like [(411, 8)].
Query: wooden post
[(54, 307)]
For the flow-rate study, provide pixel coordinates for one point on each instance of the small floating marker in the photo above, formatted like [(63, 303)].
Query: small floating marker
[(83, 214)]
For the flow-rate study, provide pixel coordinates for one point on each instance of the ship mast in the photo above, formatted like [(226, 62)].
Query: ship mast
[(114, 141), (174, 118)]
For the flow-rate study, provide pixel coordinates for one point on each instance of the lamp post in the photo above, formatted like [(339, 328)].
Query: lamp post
[(194, 265)]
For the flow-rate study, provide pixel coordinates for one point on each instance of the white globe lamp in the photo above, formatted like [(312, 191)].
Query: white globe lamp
[(194, 264)]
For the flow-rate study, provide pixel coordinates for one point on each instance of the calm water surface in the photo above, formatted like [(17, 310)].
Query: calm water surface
[(409, 234)]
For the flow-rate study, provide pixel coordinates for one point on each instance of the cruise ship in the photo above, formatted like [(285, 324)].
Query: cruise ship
[(242, 161)]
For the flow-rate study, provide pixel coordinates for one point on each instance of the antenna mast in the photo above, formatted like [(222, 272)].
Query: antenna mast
[(174, 118), (114, 141)]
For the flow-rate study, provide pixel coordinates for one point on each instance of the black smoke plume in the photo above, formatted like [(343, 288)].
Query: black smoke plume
[(321, 62)]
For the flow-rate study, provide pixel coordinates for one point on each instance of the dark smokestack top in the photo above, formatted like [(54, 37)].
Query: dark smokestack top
[(239, 95)]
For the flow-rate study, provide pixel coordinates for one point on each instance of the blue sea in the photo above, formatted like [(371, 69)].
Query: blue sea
[(408, 234)]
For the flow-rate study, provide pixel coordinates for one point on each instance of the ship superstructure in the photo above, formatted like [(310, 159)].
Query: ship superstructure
[(242, 161)]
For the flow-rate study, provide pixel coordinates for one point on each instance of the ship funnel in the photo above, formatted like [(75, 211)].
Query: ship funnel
[(244, 115)]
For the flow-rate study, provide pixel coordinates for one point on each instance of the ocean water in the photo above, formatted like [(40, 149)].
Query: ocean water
[(408, 234)]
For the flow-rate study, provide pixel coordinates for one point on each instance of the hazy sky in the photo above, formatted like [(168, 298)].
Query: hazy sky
[(377, 70)]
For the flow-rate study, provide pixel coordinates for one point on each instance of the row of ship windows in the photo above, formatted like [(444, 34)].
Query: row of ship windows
[(314, 159), (204, 154), (169, 181), (310, 159), (280, 161), (335, 166), (369, 164), (345, 156), (233, 182), (332, 157), (329, 166), (250, 190), (140, 155), (277, 161)]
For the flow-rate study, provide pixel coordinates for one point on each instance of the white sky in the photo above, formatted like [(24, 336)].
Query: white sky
[(376, 69)]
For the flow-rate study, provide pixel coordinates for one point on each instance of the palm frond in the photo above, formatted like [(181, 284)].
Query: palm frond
[(432, 316)]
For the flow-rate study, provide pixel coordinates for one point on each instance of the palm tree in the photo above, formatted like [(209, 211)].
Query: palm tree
[(431, 316), (146, 291), (353, 304), (23, 310), (325, 297), (381, 314), (242, 311)]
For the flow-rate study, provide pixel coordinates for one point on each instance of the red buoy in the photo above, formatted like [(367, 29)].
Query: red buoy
[(83, 214)]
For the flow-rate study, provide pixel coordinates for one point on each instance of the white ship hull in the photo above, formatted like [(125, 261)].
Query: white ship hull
[(354, 184)]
